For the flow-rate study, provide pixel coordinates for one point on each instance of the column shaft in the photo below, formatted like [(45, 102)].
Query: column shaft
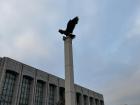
[(69, 75)]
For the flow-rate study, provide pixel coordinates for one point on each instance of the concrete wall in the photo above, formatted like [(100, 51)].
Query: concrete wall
[(25, 70)]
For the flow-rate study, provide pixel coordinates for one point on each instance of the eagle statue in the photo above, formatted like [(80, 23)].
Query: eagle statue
[(70, 27)]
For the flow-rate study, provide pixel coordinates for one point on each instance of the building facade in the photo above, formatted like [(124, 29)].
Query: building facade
[(21, 84)]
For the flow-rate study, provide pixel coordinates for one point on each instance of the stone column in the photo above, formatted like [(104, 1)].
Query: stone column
[(33, 92), (94, 101), (82, 99), (69, 75), (57, 94), (48, 93), (19, 87), (88, 101), (15, 99), (2, 74), (45, 95)]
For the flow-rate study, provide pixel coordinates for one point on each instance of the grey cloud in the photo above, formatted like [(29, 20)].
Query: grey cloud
[(124, 90)]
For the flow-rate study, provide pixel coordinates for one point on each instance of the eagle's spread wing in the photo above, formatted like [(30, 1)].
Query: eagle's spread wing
[(71, 25)]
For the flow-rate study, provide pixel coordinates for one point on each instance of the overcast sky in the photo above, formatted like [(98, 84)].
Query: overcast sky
[(106, 48)]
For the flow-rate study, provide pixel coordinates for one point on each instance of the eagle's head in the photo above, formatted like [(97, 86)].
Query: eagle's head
[(75, 20)]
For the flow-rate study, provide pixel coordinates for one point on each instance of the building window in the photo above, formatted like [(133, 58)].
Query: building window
[(102, 102), (8, 88), (25, 91), (78, 98), (91, 101), (39, 93), (61, 96), (85, 100), (97, 101), (61, 93), (52, 89)]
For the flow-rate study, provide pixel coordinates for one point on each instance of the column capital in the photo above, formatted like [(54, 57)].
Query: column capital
[(71, 36)]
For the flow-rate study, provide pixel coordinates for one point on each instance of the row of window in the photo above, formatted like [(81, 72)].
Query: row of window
[(8, 89), (87, 100), (9, 85)]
